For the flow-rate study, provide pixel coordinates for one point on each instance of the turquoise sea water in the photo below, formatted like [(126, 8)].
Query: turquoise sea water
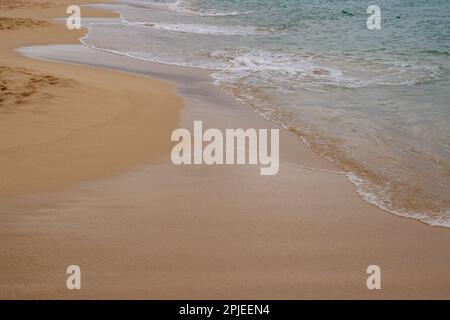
[(375, 102)]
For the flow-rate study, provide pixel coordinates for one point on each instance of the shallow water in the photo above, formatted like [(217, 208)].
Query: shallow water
[(375, 102)]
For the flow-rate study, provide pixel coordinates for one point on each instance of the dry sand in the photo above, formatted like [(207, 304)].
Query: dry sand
[(86, 179), (61, 124)]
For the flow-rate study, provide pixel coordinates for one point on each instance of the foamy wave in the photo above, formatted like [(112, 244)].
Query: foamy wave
[(381, 202), (184, 7), (203, 29), (313, 74), (270, 65)]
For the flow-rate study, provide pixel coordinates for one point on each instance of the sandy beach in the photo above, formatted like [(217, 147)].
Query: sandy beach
[(86, 179)]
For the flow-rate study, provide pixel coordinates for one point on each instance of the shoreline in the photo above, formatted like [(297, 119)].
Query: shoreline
[(153, 230), (171, 73), (367, 183)]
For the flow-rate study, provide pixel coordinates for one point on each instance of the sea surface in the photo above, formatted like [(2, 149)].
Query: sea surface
[(375, 102)]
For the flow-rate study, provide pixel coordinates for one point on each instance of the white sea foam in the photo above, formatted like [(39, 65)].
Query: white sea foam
[(292, 70), (380, 200), (308, 73), (202, 28)]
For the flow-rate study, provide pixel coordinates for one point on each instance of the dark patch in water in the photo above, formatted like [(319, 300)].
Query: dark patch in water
[(347, 13)]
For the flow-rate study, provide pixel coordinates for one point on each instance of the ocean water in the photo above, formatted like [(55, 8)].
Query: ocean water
[(375, 102)]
